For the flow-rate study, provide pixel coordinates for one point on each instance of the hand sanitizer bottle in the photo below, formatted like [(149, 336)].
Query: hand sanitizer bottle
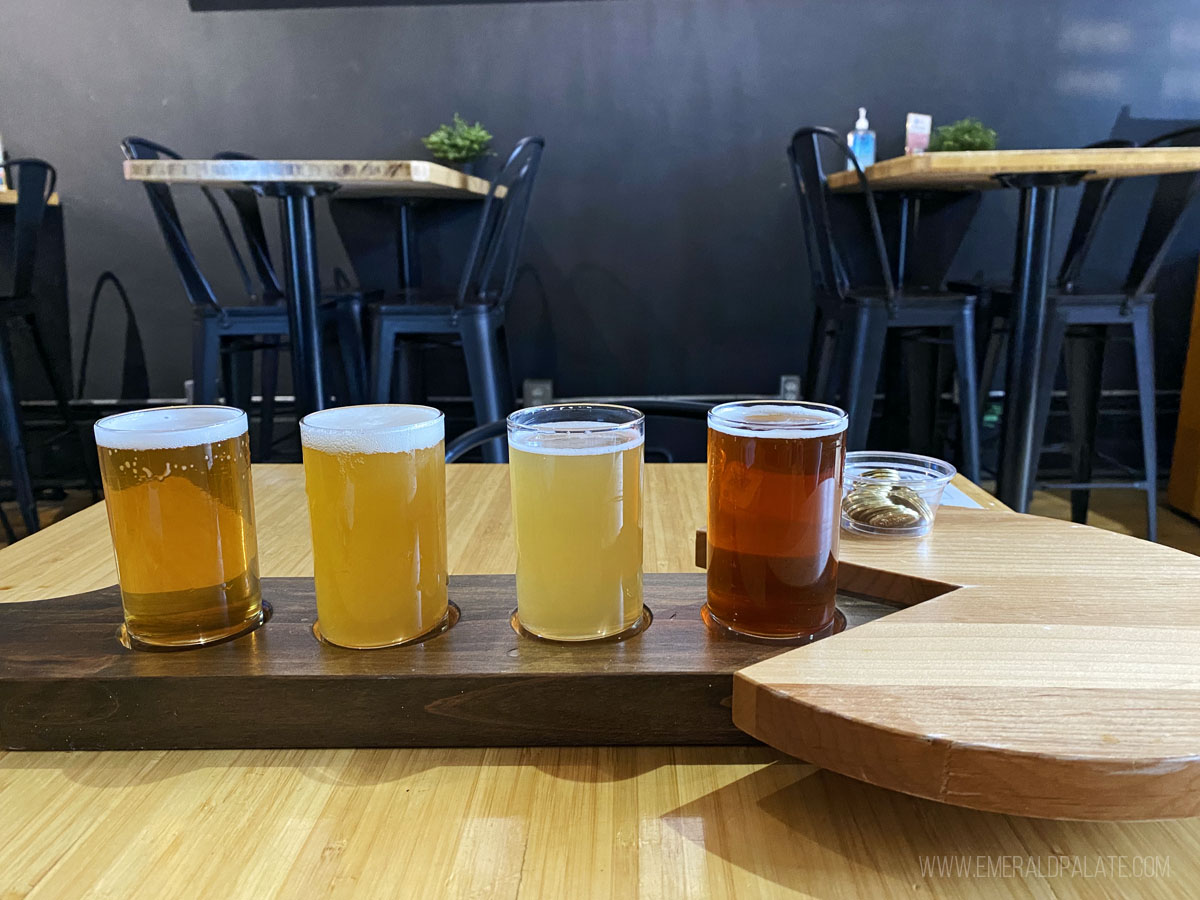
[(861, 141)]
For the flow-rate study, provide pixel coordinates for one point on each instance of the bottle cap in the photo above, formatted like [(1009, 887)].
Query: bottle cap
[(862, 124)]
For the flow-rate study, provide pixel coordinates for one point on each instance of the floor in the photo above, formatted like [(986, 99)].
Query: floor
[(1115, 510)]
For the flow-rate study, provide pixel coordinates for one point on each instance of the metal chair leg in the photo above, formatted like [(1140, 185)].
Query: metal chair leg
[(10, 433), (63, 402), (383, 355), (1143, 354), (348, 317), (487, 372), (965, 375), (269, 380), (1084, 360), (9, 535), (1052, 343), (866, 353), (206, 359)]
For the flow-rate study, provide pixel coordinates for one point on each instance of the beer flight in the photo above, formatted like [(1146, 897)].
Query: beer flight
[(180, 507)]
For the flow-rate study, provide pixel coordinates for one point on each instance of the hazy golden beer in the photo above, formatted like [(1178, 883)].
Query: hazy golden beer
[(576, 477), (181, 512), (376, 483), (774, 510)]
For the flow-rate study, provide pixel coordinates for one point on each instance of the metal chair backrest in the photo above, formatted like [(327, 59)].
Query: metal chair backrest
[(245, 204), (135, 380), (198, 289), (491, 266), (1092, 205), (1172, 196), (34, 180), (830, 279), (489, 431)]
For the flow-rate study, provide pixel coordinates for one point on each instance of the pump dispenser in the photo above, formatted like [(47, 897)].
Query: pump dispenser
[(861, 141)]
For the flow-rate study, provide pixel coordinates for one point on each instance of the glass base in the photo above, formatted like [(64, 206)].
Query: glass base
[(837, 626), (130, 642), (643, 622), (447, 622)]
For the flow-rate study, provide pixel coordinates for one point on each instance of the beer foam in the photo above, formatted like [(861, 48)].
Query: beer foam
[(794, 420), (170, 427), (574, 438), (373, 428)]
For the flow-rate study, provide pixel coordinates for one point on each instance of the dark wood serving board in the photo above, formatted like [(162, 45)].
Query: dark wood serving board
[(66, 683)]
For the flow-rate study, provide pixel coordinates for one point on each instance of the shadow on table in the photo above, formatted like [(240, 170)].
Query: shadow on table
[(794, 825)]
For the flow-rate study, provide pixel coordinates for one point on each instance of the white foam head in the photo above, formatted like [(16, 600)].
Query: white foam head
[(170, 427), (378, 428), (574, 438), (777, 420)]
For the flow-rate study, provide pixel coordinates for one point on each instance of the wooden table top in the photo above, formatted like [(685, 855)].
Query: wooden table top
[(9, 198), (975, 170), (561, 822), (365, 177)]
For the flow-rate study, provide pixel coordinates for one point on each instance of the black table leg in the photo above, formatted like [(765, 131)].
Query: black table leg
[(410, 259), (303, 296), (1019, 441)]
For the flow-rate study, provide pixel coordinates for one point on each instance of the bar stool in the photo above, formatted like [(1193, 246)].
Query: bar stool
[(34, 180), (852, 319), (473, 314), (1080, 321)]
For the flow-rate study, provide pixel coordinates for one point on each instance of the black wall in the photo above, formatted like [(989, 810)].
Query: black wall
[(664, 242)]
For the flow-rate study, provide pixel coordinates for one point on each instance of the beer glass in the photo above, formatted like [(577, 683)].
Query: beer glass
[(376, 483), (774, 495), (181, 512), (576, 477)]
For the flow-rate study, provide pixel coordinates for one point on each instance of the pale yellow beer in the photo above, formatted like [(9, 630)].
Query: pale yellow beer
[(576, 478), (181, 513), (376, 483)]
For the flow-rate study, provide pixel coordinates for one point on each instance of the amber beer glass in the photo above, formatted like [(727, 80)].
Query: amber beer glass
[(181, 512), (576, 477), (774, 489), (376, 483)]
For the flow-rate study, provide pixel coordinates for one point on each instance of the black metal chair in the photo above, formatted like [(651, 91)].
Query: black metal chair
[(353, 370), (473, 314), (221, 335), (486, 434), (34, 180), (1081, 320), (224, 338), (994, 298), (852, 319)]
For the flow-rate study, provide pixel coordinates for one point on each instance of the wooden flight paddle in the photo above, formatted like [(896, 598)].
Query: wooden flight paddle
[(1041, 668)]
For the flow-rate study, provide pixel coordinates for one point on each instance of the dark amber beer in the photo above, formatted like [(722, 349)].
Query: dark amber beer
[(774, 495)]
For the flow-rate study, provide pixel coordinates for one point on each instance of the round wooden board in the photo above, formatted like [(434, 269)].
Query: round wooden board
[(1043, 669)]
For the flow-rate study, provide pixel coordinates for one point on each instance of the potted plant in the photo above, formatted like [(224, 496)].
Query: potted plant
[(460, 144), (965, 134)]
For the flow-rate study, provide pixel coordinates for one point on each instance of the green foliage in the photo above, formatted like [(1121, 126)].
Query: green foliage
[(965, 134), (459, 142)]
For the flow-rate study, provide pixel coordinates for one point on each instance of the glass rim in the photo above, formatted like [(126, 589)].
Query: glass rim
[(384, 429), (935, 471), (840, 416), (113, 417), (578, 426)]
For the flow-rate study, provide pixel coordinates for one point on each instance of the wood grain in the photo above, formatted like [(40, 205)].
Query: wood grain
[(1046, 669), (517, 822), (66, 683), (399, 177), (975, 170)]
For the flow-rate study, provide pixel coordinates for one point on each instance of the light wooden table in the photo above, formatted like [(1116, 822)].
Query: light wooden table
[(1037, 174), (522, 822), (296, 182)]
